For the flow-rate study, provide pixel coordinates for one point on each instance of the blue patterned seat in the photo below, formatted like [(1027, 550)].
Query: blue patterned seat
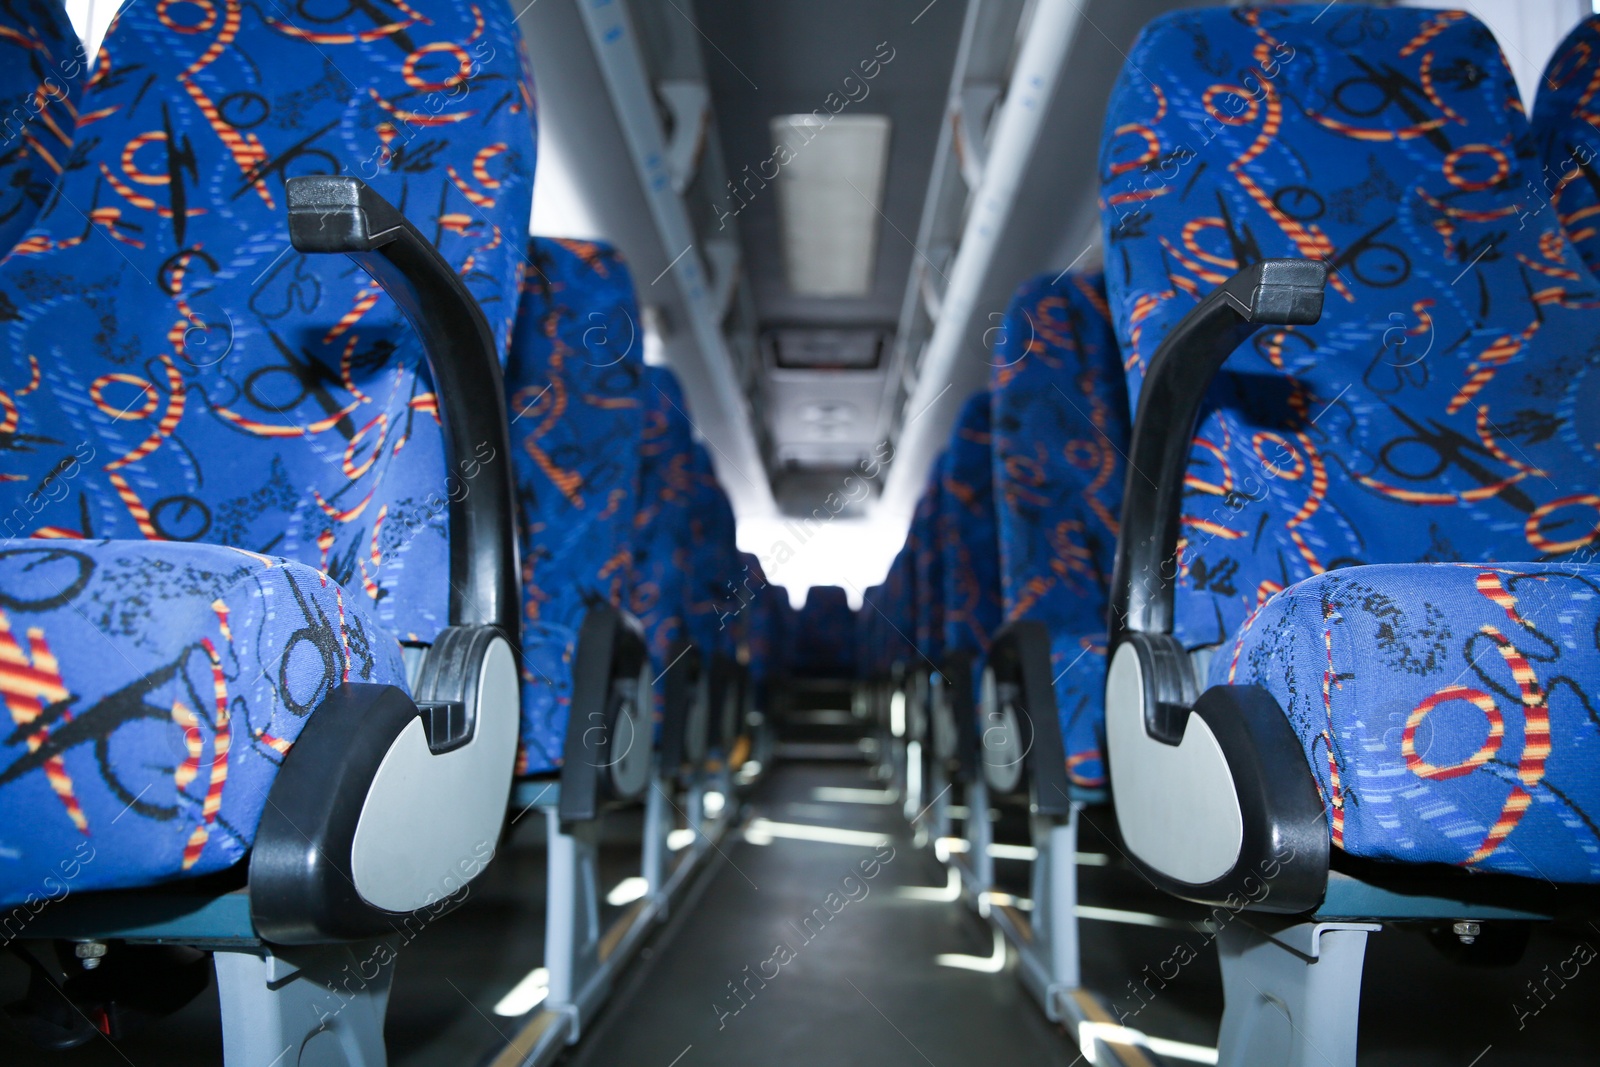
[(927, 567), (573, 378), (783, 629), (825, 646), (1061, 420), (969, 588), (153, 690), (757, 596), (713, 560), (870, 659), (1404, 679), (897, 610), (1565, 112), (714, 610), (728, 576), (174, 372), (1439, 413), (658, 585), (42, 71), (968, 538)]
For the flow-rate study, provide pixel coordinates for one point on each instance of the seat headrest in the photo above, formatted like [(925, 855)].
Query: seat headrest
[(1389, 142)]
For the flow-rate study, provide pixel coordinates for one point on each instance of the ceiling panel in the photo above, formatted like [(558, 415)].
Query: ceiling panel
[(783, 57)]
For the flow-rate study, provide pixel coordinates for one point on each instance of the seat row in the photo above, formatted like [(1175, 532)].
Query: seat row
[(342, 520), (1275, 537)]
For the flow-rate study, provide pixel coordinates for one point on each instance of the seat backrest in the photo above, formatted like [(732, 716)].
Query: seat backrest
[(714, 560), (574, 378), (730, 579), (967, 535), (775, 598), (1566, 127), (659, 584), (176, 371), (756, 608), (1061, 419), (1436, 412), (928, 568), (42, 71), (872, 649), (898, 610), (826, 643)]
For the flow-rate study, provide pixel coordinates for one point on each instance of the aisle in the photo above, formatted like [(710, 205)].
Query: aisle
[(820, 938)]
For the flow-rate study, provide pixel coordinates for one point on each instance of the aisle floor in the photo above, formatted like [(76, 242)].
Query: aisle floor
[(831, 966)]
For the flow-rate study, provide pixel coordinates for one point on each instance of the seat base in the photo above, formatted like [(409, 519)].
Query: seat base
[(310, 1007), (1292, 996)]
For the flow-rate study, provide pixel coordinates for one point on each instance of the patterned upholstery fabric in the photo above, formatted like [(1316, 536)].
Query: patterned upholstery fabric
[(659, 584), (826, 642), (152, 691), (716, 572), (176, 372), (42, 71), (710, 576), (761, 626), (897, 610), (781, 621), (1445, 709), (968, 539), (1566, 125), (872, 648), (928, 566), (173, 371), (1060, 431), (1439, 411), (727, 577), (1436, 412), (573, 378)]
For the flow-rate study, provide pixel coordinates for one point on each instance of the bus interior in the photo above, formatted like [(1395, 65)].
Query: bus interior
[(799, 532)]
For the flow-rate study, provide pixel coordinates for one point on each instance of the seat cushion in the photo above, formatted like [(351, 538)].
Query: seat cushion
[(153, 690), (1446, 710)]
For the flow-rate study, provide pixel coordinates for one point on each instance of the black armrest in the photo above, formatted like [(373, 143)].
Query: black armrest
[(1152, 694), (342, 214), (1280, 292)]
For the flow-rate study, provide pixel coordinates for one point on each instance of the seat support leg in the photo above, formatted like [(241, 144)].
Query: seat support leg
[(1055, 906), (914, 791), (1291, 996), (897, 766), (320, 1006), (936, 818), (695, 807), (722, 784), (658, 823), (578, 980), (979, 832)]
